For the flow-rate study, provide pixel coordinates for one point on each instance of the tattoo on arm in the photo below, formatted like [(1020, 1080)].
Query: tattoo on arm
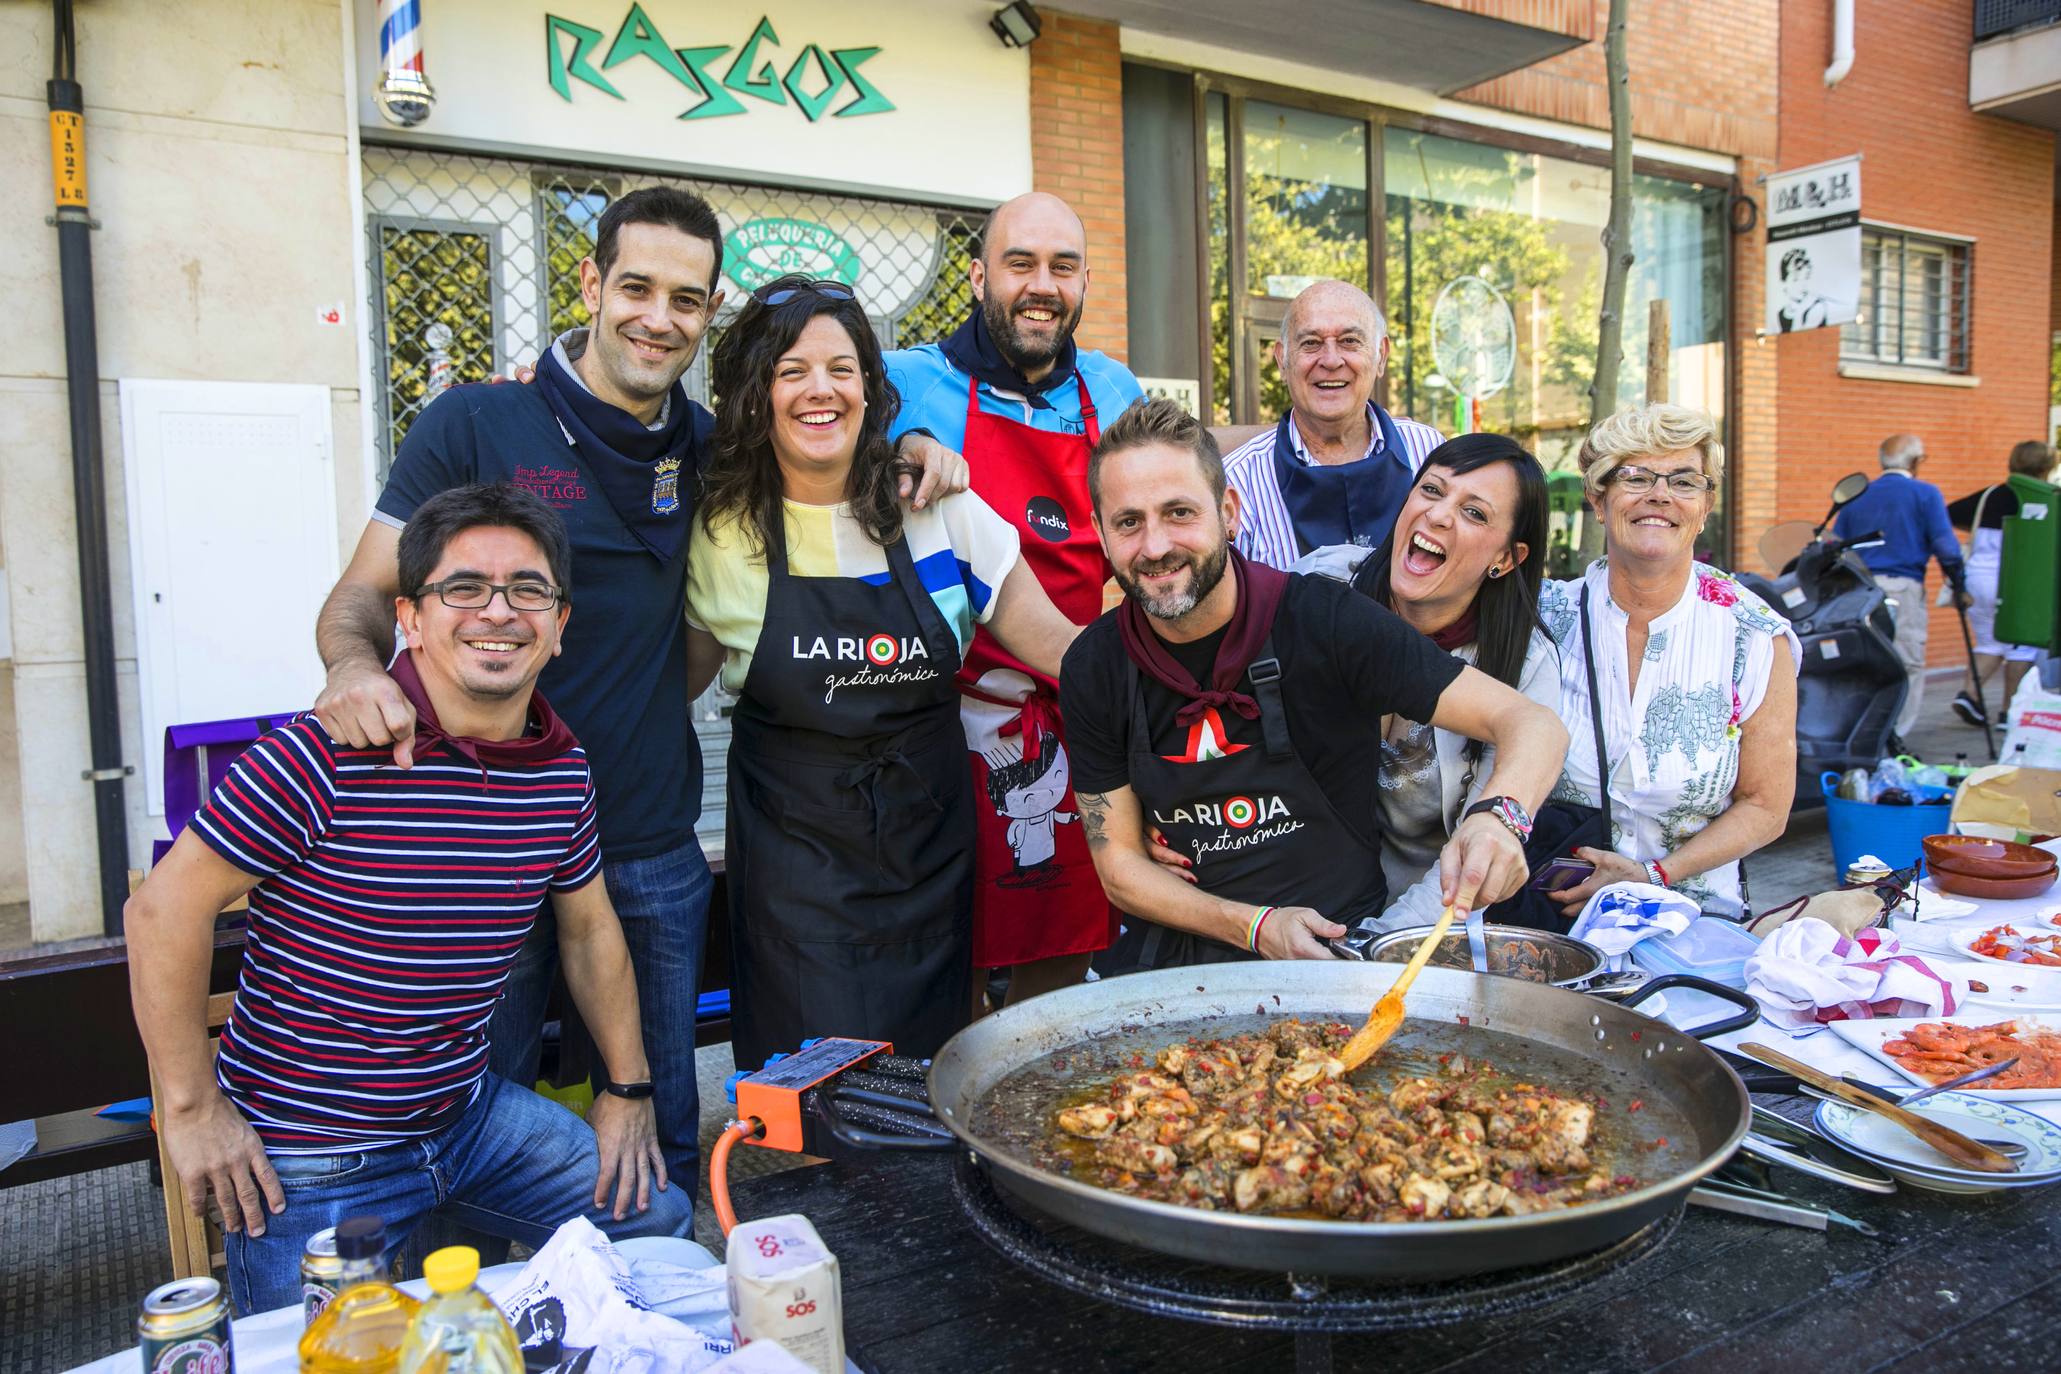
[(1094, 818)]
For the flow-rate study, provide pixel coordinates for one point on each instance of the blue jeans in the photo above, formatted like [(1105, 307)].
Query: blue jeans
[(662, 902), (512, 1165)]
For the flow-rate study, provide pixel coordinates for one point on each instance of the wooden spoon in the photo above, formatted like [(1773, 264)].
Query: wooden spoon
[(1971, 1154), (1387, 1015)]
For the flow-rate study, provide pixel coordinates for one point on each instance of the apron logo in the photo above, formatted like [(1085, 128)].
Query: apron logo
[(1047, 519), (665, 487), (879, 650), (1239, 813)]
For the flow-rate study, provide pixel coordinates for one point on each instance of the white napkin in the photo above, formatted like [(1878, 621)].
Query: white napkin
[(1622, 914), (1806, 974)]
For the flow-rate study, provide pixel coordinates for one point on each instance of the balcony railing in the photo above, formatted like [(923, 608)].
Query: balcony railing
[(1994, 18)]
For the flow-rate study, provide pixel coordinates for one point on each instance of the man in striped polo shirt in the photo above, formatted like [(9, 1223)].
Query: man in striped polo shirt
[(1336, 468), (386, 908)]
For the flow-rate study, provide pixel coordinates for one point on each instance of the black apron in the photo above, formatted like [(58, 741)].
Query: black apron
[(850, 841), (1257, 825)]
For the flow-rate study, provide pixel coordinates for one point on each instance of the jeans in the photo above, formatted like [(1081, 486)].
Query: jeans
[(512, 1165), (662, 902)]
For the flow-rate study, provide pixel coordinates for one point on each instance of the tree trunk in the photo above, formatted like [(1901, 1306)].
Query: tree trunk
[(1617, 244)]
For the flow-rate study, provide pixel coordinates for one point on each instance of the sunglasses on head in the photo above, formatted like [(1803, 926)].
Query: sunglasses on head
[(774, 294)]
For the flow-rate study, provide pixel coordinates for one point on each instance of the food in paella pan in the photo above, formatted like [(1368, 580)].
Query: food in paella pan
[(1269, 1123), (1937, 1051)]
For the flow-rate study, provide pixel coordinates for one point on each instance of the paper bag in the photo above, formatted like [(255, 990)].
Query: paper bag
[(2005, 803)]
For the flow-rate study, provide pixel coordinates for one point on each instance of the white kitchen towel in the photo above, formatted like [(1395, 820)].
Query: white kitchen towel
[(1622, 914), (1806, 974)]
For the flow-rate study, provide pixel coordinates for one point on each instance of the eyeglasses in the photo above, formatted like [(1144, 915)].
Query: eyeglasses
[(829, 290), (1638, 481), (473, 594)]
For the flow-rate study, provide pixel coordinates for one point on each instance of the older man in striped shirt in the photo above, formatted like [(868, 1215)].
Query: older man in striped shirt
[(386, 908), (1336, 468)]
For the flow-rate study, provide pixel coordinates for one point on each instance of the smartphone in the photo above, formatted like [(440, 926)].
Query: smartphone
[(1561, 874)]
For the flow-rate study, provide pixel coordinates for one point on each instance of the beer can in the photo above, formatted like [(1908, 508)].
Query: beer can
[(321, 1273), (184, 1329), (1866, 873)]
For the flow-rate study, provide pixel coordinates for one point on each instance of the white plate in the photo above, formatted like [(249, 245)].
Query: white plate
[(2038, 977), (1873, 1136), (1869, 1037)]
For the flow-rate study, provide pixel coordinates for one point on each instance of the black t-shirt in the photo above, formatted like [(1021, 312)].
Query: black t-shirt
[(1345, 663), (621, 683), (2003, 501)]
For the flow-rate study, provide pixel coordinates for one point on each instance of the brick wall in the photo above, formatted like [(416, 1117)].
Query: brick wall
[(1928, 163), (1077, 154)]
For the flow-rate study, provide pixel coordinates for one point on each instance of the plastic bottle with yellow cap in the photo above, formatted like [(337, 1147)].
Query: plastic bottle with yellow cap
[(459, 1330)]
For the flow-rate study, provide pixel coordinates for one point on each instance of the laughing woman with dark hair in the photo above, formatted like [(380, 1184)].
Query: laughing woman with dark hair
[(1462, 566), (839, 619)]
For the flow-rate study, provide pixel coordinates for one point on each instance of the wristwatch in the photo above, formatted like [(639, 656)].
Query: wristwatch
[(1508, 810), (614, 1089)]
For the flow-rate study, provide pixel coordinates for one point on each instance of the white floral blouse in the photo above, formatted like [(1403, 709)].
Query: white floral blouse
[(1673, 749)]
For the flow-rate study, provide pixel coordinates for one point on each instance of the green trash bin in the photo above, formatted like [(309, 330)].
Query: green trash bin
[(2026, 581)]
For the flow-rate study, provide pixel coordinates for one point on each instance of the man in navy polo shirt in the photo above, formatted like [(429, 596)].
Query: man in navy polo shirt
[(387, 906), (608, 437)]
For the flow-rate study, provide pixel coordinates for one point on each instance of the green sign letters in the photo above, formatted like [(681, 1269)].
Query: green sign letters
[(759, 250), (754, 71)]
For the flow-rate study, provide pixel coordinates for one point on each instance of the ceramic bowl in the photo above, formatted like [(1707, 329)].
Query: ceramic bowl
[(1978, 858), (1994, 889)]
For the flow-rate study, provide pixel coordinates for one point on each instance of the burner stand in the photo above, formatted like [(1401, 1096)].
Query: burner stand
[(1312, 1307)]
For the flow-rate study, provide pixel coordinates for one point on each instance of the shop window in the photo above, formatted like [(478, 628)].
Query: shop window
[(438, 313), (1914, 309), (568, 214), (1494, 276)]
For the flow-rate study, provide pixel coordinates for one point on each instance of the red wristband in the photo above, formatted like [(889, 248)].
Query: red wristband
[(1665, 881)]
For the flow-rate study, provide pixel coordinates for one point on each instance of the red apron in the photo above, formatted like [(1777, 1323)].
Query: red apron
[(1036, 895)]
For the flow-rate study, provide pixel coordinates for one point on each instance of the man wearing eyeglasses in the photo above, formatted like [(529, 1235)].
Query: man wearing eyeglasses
[(387, 908), (1011, 391), (1912, 518)]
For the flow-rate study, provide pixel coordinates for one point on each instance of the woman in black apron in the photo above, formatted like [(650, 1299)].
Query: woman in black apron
[(850, 825)]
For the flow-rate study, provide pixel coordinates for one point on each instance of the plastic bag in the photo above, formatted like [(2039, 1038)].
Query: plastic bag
[(575, 1307)]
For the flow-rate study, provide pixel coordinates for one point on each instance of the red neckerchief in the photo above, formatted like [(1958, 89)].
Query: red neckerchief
[(1260, 589), (546, 738), (1460, 631)]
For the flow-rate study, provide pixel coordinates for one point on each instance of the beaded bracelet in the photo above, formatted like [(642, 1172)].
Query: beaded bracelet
[(1259, 918)]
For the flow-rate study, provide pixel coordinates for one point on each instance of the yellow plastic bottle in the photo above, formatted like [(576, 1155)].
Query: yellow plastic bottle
[(362, 1330), (459, 1330)]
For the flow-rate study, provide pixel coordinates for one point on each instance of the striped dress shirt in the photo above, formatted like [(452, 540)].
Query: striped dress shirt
[(1265, 532)]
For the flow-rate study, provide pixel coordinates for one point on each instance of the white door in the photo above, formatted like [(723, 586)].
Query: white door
[(232, 547)]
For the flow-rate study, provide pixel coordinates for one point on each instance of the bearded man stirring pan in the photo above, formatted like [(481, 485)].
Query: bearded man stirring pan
[(1240, 710), (1011, 391)]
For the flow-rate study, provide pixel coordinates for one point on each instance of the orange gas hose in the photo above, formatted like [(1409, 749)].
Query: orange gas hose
[(719, 1169)]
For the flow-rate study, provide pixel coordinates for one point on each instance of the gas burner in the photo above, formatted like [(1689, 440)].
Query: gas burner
[(1168, 1286)]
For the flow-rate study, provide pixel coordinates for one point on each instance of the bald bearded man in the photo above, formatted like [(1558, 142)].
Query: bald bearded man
[(1011, 391), (1336, 468)]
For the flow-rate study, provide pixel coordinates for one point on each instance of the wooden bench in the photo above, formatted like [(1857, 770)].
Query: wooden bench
[(72, 1046)]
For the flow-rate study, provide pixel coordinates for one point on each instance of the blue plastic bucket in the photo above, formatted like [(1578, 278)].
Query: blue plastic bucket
[(1893, 834)]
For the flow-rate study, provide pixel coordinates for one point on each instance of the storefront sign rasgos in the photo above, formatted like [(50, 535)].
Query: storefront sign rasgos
[(912, 101), (753, 71)]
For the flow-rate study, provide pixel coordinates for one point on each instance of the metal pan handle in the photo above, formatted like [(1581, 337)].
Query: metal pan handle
[(909, 1131), (1749, 1010)]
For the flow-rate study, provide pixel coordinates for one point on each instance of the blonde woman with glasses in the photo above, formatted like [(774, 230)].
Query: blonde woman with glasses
[(1696, 676)]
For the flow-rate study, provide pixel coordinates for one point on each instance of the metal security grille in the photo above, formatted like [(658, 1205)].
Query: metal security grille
[(1993, 17), (476, 263), (475, 268)]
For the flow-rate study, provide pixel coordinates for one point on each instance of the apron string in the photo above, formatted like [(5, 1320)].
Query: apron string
[(867, 773)]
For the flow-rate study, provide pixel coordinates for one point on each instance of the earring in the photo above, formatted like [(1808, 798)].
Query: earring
[(1495, 572)]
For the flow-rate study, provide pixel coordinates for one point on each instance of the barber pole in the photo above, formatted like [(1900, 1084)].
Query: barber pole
[(403, 94)]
